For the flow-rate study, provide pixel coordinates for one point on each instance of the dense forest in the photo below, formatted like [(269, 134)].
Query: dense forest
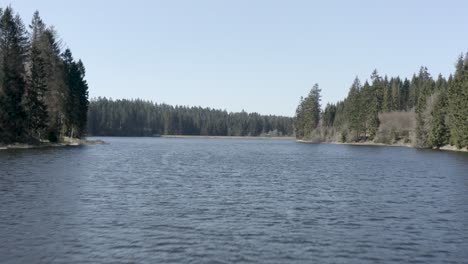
[(44, 97), (109, 117), (422, 111), (43, 93)]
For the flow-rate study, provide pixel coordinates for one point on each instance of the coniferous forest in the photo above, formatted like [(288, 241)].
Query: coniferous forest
[(109, 117), (43, 93), (44, 97), (422, 111)]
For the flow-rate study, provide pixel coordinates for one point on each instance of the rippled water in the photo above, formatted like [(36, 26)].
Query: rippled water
[(155, 200)]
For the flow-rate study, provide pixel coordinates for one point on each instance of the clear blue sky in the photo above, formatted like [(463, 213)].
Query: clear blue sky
[(256, 55)]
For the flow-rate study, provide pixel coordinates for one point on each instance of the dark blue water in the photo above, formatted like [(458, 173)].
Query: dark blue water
[(155, 200)]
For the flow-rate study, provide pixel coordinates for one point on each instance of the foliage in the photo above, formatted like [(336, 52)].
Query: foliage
[(308, 113), (421, 111), (144, 118), (43, 94)]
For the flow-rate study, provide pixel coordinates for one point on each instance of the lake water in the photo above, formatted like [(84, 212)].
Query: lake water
[(159, 200)]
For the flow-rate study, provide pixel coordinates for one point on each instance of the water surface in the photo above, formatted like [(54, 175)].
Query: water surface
[(158, 200)]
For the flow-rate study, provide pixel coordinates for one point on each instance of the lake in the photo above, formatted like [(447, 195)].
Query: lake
[(161, 200)]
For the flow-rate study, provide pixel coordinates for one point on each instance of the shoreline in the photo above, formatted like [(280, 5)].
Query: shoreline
[(443, 148), (74, 143), (229, 137)]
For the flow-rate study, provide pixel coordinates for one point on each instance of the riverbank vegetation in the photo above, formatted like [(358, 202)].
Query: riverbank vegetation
[(43, 93), (421, 111), (109, 117)]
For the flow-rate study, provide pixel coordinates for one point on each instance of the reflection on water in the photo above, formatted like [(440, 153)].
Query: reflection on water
[(149, 200)]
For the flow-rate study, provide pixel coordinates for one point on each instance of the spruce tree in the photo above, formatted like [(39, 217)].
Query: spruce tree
[(72, 80), (37, 27), (458, 104), (439, 133), (83, 102), (308, 113), (405, 92), (354, 109), (314, 99), (329, 115), (378, 88), (299, 122), (370, 110), (425, 87), (14, 47), (33, 100), (396, 94), (413, 92), (57, 90), (387, 99)]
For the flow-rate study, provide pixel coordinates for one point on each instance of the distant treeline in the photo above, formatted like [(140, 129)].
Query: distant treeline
[(421, 111), (43, 93), (109, 117)]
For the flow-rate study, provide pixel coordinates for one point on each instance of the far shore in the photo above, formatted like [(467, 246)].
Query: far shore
[(230, 137), (368, 143)]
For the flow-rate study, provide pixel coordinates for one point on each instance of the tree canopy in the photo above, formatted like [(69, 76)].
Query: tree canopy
[(109, 117), (43, 91), (385, 109)]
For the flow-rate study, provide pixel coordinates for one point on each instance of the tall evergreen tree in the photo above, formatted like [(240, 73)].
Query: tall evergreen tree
[(329, 115), (396, 94), (37, 28), (299, 120), (370, 109), (439, 133), (425, 87), (405, 93), (458, 104), (377, 86), (387, 99), (313, 108), (57, 90), (33, 100), (14, 47), (308, 113), (83, 102), (353, 106), (37, 85)]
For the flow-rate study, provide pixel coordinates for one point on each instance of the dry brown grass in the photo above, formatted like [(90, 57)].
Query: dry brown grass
[(395, 127)]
